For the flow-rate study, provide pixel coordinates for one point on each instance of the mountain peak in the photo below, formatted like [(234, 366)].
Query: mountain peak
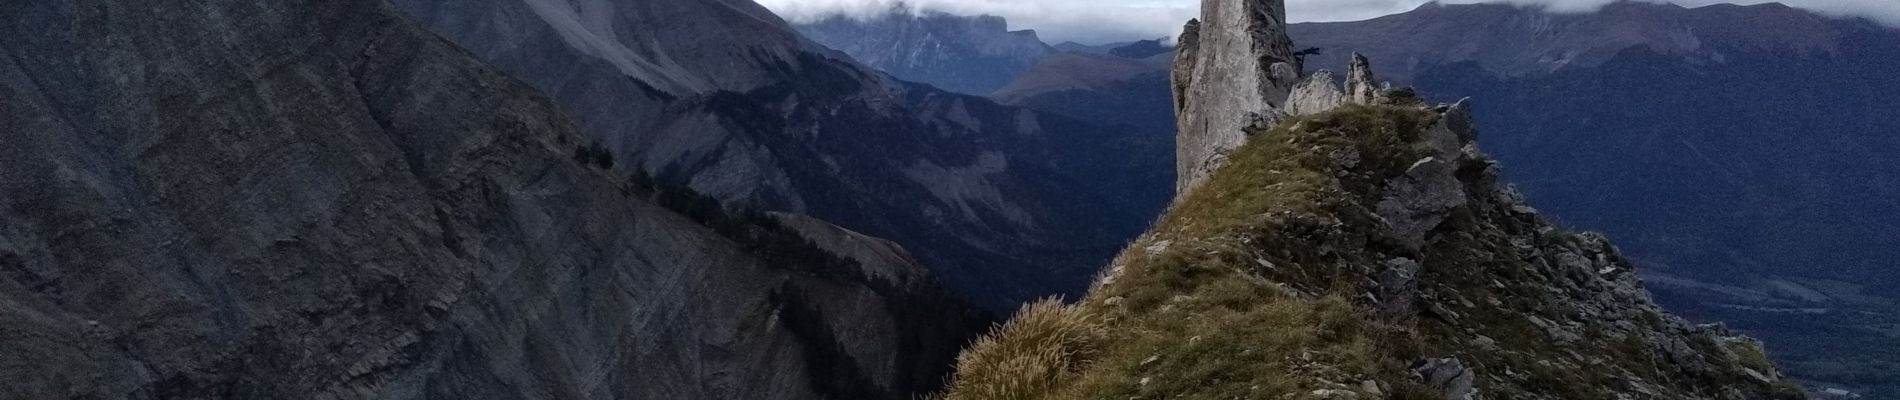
[(966, 54), (1233, 70), (1512, 41), (1349, 244), (1364, 252)]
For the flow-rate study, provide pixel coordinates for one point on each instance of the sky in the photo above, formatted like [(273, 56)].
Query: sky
[(1101, 21)]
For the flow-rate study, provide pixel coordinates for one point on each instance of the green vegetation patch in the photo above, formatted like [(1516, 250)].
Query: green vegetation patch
[(1303, 167), (1243, 291)]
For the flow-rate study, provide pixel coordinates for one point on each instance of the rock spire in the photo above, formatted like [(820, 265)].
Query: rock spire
[(1233, 73)]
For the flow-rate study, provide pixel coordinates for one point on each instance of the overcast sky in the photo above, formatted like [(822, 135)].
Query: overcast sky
[(1096, 21)]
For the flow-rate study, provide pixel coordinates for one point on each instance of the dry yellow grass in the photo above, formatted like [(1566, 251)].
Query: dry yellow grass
[(1046, 344)]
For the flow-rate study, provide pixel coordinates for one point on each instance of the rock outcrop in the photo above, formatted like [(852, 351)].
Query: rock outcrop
[(1415, 203), (1320, 93), (1366, 251), (1361, 86), (317, 199), (1667, 125), (1448, 377), (1316, 94), (1233, 72)]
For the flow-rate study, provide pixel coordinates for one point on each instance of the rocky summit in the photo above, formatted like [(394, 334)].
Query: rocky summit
[(688, 199), (1731, 150), (1362, 247), (1233, 70)]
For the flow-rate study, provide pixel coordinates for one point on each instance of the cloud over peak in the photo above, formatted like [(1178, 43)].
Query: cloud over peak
[(1093, 21), (1101, 21)]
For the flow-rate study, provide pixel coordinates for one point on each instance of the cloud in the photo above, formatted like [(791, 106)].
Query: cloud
[(1089, 21), (1885, 11), (1101, 21)]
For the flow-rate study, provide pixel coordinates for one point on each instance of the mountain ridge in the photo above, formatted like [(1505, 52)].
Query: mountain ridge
[(1516, 41), (1749, 135), (1355, 244), (972, 55), (978, 191)]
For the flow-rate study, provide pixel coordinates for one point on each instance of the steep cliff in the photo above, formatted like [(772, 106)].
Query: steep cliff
[(316, 199), (1005, 204), (1233, 70), (1362, 248)]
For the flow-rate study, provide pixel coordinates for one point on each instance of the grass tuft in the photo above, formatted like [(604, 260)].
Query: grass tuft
[(1031, 355)]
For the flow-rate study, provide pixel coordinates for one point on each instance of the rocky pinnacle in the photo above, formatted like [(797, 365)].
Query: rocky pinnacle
[(1318, 93), (1361, 86), (1233, 73)]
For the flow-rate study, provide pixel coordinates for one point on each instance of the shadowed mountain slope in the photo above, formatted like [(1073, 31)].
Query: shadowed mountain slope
[(317, 199), (1005, 204)]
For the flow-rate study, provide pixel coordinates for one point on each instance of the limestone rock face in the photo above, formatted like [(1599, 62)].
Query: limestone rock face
[(1361, 86), (1315, 94), (1318, 93), (1187, 53), (316, 199), (1233, 74)]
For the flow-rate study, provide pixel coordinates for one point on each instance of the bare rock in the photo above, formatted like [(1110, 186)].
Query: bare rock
[(1398, 289), (1417, 202), (1315, 94), (1448, 375), (1361, 86), (1233, 74)]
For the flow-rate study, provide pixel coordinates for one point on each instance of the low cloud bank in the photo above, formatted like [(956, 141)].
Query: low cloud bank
[(1104, 21)]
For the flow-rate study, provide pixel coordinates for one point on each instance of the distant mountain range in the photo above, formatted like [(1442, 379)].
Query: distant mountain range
[(1739, 151), (970, 55), (1005, 204), (1120, 85)]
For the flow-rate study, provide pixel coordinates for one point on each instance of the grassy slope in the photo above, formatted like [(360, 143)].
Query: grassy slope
[(1251, 287)]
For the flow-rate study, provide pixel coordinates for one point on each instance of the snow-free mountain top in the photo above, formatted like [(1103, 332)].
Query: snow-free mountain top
[(973, 55), (1356, 246), (1516, 41)]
